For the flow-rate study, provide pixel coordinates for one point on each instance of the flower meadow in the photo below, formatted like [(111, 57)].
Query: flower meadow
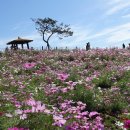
[(65, 89)]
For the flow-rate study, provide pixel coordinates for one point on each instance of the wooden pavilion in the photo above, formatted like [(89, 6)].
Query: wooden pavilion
[(14, 43)]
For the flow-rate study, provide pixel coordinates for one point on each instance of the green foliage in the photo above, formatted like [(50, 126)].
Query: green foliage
[(84, 95), (108, 120), (7, 122), (34, 122), (70, 58), (110, 102), (103, 82), (37, 121)]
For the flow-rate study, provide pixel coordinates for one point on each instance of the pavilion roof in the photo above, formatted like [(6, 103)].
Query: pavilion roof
[(19, 41)]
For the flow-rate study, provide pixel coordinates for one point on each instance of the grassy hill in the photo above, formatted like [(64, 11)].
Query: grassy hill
[(65, 90)]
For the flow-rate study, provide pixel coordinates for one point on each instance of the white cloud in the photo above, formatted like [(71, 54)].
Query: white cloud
[(82, 35), (79, 38), (126, 16), (3, 43), (116, 6), (114, 34), (111, 30), (119, 36), (113, 2), (33, 36)]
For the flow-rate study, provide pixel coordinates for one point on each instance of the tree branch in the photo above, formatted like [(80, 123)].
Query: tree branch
[(50, 36), (44, 35)]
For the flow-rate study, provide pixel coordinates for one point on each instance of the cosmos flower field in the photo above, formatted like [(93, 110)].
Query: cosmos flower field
[(65, 90)]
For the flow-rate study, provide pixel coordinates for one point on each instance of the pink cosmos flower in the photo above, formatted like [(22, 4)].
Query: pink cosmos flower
[(27, 111), (71, 83), (15, 128), (69, 128), (17, 104), (62, 76), (127, 124), (23, 116), (88, 79), (37, 106), (29, 65), (40, 107), (19, 112), (93, 113), (59, 120), (31, 102), (64, 90)]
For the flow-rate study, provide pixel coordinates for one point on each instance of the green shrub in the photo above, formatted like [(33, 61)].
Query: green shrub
[(84, 95), (103, 82)]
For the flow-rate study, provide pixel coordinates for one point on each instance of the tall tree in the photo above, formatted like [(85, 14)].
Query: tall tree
[(47, 27)]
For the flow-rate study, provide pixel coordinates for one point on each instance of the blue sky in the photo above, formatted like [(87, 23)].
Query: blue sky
[(103, 23)]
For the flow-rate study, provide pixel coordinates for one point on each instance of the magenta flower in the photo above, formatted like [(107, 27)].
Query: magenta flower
[(31, 102), (64, 90), (71, 83), (18, 112), (29, 65), (69, 128), (62, 76), (40, 107), (37, 106), (27, 111), (127, 124), (59, 120), (93, 114), (15, 128)]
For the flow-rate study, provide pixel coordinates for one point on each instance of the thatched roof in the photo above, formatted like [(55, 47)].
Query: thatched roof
[(19, 41)]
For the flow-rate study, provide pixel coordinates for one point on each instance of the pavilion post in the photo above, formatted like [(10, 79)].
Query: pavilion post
[(13, 46), (27, 45), (22, 46), (16, 46)]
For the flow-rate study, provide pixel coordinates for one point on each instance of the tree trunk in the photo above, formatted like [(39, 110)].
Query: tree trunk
[(48, 46), (47, 41)]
